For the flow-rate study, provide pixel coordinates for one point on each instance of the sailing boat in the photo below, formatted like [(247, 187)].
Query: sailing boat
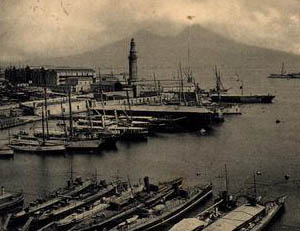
[(284, 74), (83, 141), (32, 144), (222, 96)]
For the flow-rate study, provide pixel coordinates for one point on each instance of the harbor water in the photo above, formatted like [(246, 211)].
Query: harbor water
[(248, 143)]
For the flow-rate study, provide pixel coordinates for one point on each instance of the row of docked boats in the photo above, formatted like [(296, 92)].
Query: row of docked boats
[(96, 133), (120, 206)]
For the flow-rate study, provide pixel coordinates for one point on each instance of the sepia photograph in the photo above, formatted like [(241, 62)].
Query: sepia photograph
[(139, 115)]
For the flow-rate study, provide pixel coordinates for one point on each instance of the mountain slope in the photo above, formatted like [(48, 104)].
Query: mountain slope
[(162, 54)]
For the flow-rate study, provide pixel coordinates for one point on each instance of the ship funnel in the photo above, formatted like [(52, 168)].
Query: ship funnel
[(2, 190), (147, 184)]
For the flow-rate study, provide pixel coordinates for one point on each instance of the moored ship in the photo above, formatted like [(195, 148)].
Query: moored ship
[(248, 217), (9, 201), (123, 208), (167, 212), (284, 75), (224, 98)]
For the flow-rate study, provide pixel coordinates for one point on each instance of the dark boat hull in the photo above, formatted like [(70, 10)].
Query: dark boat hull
[(16, 202), (178, 213), (243, 99), (60, 149)]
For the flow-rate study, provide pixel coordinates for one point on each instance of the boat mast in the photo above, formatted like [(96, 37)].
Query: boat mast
[(218, 88), (154, 79), (8, 136), (101, 91), (254, 183), (181, 84), (70, 114), (89, 116), (226, 179), (282, 69), (43, 125), (129, 106), (45, 99), (71, 173), (63, 118), (46, 111)]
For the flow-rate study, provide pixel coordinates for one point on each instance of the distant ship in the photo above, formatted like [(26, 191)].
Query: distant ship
[(220, 95), (224, 98), (284, 75)]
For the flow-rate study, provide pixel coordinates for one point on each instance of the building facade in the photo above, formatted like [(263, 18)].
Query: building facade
[(57, 78)]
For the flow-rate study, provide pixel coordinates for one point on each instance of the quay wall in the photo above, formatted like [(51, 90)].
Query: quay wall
[(62, 108)]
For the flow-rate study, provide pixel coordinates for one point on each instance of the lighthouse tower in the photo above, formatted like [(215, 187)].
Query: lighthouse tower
[(132, 58)]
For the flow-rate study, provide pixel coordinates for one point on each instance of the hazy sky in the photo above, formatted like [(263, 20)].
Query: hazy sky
[(59, 27)]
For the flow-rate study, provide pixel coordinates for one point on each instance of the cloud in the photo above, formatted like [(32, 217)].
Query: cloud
[(64, 27)]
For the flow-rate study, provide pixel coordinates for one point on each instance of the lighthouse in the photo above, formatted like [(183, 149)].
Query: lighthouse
[(132, 58)]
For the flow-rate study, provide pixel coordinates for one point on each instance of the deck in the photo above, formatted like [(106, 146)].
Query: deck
[(236, 218)]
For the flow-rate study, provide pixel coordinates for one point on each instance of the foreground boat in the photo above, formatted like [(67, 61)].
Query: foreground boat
[(165, 213), (9, 201), (35, 208), (123, 208), (246, 217), (72, 204)]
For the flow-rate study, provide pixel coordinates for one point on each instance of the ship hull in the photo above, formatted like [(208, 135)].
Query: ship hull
[(243, 99), (287, 76), (90, 145), (273, 213), (6, 154), (182, 116), (15, 202), (176, 214), (55, 149)]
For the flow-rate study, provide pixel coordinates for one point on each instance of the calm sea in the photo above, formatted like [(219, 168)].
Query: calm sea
[(246, 144)]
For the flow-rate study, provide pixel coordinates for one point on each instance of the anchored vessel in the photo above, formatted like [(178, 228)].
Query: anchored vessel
[(35, 208), (165, 213), (248, 217), (37, 146), (10, 201), (125, 207), (284, 75), (221, 95), (242, 98)]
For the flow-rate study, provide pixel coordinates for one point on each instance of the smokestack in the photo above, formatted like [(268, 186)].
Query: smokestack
[(132, 58), (147, 184), (2, 191)]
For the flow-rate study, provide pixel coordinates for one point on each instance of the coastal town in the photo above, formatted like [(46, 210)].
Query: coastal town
[(149, 115), (92, 111)]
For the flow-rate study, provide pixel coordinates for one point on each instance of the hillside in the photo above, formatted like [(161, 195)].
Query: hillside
[(162, 54)]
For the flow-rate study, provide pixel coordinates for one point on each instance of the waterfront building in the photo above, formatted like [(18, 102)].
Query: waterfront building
[(57, 78)]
